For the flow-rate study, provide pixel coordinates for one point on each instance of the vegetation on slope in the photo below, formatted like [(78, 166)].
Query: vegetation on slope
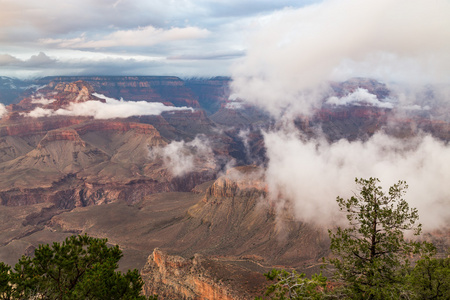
[(81, 267)]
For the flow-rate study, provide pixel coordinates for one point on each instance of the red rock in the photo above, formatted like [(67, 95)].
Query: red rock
[(116, 126), (61, 135)]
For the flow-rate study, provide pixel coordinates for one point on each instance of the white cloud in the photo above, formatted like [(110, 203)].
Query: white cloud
[(111, 109), (360, 97), (143, 36), (181, 157), (234, 105), (42, 101), (3, 110), (311, 173), (296, 50)]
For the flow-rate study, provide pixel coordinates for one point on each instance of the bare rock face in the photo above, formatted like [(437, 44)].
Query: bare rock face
[(62, 135), (174, 277)]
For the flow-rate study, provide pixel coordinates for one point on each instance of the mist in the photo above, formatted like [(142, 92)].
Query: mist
[(292, 57), (181, 157), (310, 174)]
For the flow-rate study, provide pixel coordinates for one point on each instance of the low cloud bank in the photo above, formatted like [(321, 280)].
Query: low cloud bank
[(181, 157), (311, 173), (113, 108)]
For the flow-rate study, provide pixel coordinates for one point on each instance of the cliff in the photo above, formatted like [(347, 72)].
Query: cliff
[(200, 278), (166, 89), (211, 93), (34, 126), (235, 218)]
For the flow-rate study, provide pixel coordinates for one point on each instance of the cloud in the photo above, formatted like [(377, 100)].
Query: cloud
[(360, 97), (42, 101), (311, 173), (98, 110), (92, 64), (3, 110), (181, 157), (143, 36), (39, 60), (193, 38), (35, 61), (297, 50), (6, 60), (220, 55)]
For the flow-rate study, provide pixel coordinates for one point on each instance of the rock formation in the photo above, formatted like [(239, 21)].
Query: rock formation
[(171, 276)]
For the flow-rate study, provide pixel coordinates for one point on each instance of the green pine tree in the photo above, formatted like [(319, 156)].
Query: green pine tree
[(81, 267), (372, 252)]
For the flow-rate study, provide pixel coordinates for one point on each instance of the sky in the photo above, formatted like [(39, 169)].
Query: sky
[(129, 37)]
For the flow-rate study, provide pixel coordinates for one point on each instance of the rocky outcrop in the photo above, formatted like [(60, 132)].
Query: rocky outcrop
[(62, 135), (117, 127), (199, 278)]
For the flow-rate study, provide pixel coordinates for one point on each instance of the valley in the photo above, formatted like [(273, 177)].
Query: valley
[(181, 187)]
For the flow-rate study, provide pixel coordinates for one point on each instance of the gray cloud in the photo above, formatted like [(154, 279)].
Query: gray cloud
[(112, 65), (6, 60), (35, 61)]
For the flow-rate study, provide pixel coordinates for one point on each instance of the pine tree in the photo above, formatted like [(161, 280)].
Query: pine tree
[(372, 253)]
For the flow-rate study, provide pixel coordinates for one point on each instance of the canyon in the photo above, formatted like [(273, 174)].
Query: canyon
[(181, 191)]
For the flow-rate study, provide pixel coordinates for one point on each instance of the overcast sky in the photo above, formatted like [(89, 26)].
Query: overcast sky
[(129, 37)]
